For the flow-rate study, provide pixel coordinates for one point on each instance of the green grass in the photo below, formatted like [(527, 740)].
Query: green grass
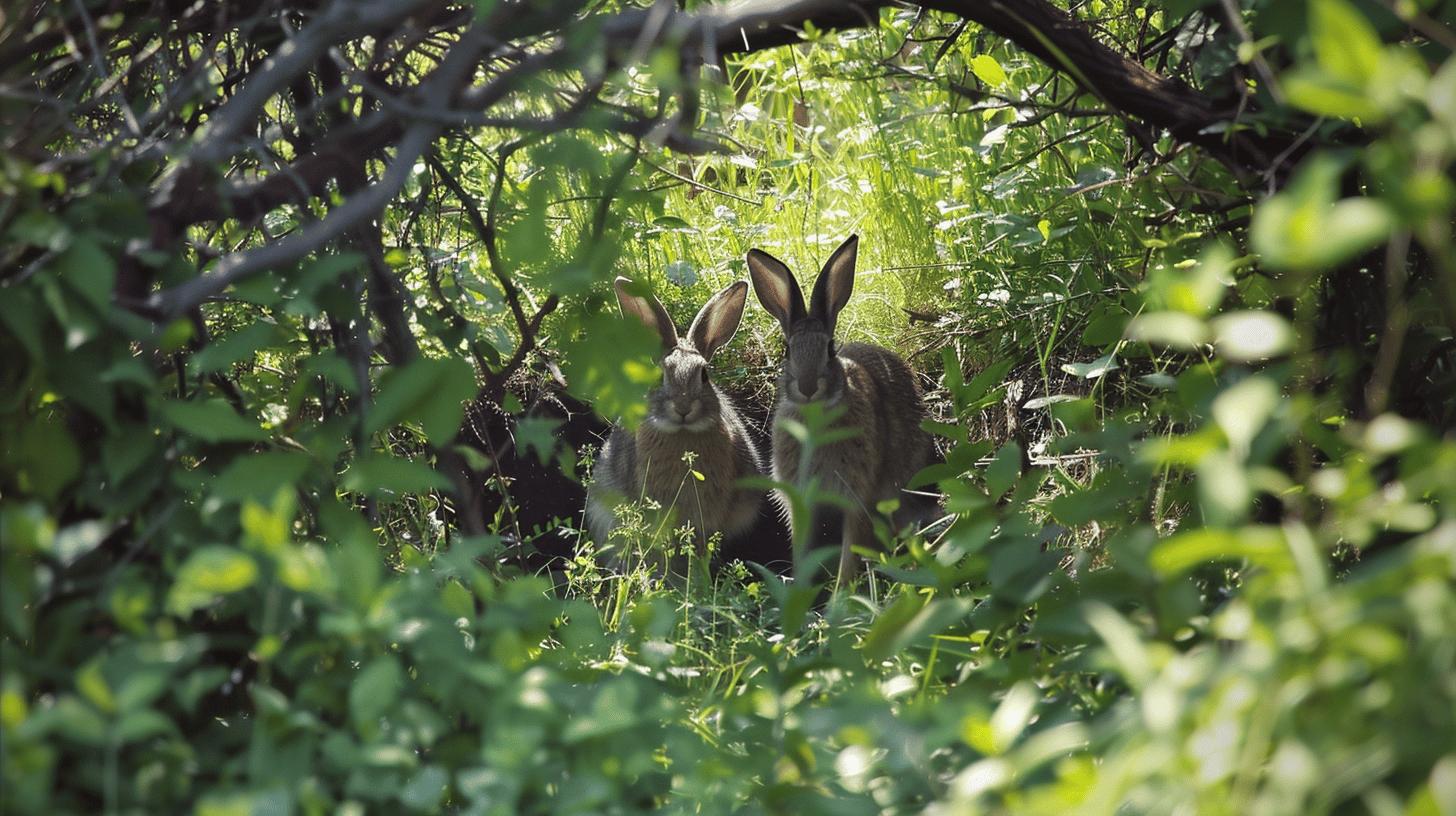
[(948, 228)]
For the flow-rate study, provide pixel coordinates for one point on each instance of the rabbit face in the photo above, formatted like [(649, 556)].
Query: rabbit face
[(812, 371), (686, 400)]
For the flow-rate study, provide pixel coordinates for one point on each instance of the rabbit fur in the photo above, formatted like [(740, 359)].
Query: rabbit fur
[(875, 386), (686, 413)]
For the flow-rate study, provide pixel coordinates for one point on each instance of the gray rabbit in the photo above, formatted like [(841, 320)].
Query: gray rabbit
[(686, 413), (874, 385)]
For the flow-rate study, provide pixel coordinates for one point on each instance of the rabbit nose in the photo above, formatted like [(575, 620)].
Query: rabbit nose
[(682, 409), (808, 387)]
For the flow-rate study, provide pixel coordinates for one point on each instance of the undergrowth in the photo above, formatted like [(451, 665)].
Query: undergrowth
[(1192, 555)]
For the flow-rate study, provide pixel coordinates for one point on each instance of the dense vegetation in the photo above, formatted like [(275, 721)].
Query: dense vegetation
[(307, 340)]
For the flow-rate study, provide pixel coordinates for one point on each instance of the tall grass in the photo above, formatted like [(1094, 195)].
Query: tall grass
[(999, 234)]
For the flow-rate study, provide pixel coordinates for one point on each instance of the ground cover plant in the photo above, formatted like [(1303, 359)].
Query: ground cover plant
[(308, 342)]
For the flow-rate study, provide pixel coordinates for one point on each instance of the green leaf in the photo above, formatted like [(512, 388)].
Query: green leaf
[(1172, 329), (211, 420), (1354, 225), (1004, 469), (1158, 380), (426, 789), (1181, 552), (91, 682), (612, 364), (1096, 502), (983, 389), (141, 689), (89, 272), (331, 365), (260, 476), (681, 273), (1243, 409), (1123, 641), (457, 600), (227, 804), (313, 287), (1019, 571), (208, 573), (305, 568), (175, 335), (355, 561), (1441, 94), (1077, 414), (193, 687), (1345, 43), (78, 721), (988, 70), (1224, 492), (1388, 433), (538, 435), (266, 289), (234, 348), (375, 691), (40, 229), (266, 527), (1194, 287), (429, 392), (74, 541), (1096, 368), (1013, 714), (380, 473), (908, 622), (1304, 228), (22, 315), (136, 726), (44, 458), (1247, 336), (1324, 95)]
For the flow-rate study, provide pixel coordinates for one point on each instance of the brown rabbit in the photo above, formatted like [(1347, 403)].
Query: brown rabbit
[(686, 413), (874, 385)]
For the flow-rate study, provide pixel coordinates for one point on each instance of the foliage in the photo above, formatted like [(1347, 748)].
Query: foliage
[(1199, 552)]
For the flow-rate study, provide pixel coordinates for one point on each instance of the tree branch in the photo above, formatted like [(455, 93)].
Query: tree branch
[(417, 137), (1040, 28)]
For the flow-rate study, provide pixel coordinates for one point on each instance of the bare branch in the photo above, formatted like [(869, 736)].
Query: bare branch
[(342, 20), (438, 89)]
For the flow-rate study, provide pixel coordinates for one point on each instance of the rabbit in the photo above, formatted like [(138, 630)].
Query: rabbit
[(875, 386), (686, 413)]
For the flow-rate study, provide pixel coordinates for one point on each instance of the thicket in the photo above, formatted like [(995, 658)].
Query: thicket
[(306, 340)]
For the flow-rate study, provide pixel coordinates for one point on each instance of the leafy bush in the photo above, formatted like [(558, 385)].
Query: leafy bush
[(275, 554)]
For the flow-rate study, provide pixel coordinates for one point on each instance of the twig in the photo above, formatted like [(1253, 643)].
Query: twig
[(701, 186), (416, 139), (341, 20), (1235, 19), (486, 231), (1429, 27)]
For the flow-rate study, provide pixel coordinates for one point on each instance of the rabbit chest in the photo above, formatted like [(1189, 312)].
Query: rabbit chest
[(849, 467), (669, 480)]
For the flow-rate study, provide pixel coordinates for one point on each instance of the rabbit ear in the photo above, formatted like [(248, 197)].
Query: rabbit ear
[(718, 319), (835, 283), (776, 288), (646, 309)]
